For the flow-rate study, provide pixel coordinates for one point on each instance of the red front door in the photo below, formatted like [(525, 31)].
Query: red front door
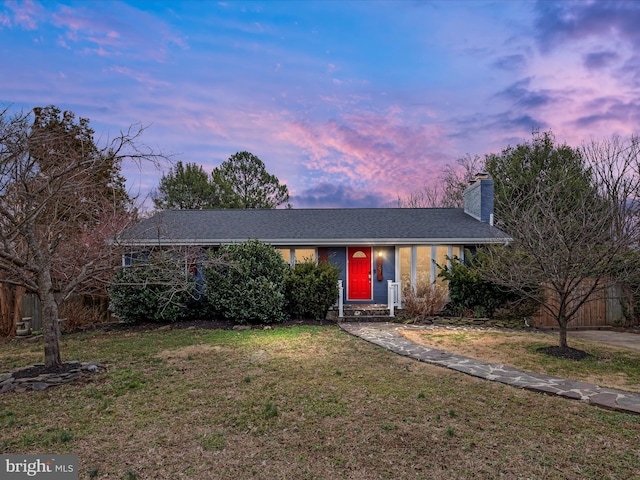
[(359, 287)]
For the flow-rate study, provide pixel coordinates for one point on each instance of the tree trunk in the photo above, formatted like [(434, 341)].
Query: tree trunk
[(6, 329), (51, 328), (562, 322)]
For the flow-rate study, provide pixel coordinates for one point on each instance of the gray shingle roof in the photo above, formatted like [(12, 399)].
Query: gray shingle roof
[(314, 227)]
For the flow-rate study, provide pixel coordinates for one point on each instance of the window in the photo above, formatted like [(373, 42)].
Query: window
[(405, 266), (297, 255), (303, 254), (418, 264), (423, 265)]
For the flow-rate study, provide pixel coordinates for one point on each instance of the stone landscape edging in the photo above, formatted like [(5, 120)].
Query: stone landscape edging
[(8, 383)]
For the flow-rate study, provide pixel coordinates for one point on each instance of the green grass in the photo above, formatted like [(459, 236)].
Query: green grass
[(606, 366), (303, 403)]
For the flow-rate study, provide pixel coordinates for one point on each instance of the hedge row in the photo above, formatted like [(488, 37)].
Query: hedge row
[(246, 283)]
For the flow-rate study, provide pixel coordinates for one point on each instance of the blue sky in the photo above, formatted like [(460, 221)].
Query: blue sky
[(350, 103)]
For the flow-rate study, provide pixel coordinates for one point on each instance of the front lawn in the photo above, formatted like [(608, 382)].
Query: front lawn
[(606, 366), (299, 403)]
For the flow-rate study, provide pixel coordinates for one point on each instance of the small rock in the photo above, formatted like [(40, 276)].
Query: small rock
[(39, 386), (7, 387)]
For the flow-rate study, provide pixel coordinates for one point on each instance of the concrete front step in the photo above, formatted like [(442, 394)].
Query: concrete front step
[(365, 313), (366, 318), (361, 313)]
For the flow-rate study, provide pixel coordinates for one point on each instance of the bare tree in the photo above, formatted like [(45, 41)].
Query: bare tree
[(159, 284), (616, 166), (429, 196), (58, 222), (456, 178), (448, 192), (572, 215)]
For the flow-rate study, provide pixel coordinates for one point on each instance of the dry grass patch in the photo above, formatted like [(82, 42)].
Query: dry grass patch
[(189, 352), (303, 403), (607, 366)]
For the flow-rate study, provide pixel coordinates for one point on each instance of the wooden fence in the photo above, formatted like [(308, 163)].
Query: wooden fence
[(604, 308), (31, 308), (77, 312)]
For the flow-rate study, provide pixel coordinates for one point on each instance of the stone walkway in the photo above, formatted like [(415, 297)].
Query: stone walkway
[(387, 336)]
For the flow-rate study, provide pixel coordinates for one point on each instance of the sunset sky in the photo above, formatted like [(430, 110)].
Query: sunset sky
[(350, 103)]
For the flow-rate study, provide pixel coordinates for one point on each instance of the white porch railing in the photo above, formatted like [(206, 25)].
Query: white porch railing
[(340, 299), (394, 296)]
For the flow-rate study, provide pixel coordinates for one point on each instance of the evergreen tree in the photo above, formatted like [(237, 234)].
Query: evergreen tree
[(245, 183), (186, 187)]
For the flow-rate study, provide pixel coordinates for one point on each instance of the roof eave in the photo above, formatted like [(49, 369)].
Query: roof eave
[(316, 242)]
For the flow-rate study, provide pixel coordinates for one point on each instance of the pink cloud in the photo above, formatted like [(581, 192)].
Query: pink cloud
[(133, 32), (25, 14), (386, 152), (143, 78)]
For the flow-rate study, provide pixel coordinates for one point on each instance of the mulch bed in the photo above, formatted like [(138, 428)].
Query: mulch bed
[(37, 370), (201, 324), (564, 352)]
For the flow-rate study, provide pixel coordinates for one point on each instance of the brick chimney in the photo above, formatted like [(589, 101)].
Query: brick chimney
[(478, 198)]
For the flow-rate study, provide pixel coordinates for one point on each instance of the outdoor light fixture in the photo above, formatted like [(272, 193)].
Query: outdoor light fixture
[(379, 265)]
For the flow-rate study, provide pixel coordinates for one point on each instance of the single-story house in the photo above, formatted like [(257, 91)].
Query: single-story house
[(371, 246)]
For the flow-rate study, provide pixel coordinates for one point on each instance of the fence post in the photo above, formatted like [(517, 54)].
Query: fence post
[(340, 302), (391, 297)]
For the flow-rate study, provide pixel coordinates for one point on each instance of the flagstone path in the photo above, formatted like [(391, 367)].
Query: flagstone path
[(387, 335)]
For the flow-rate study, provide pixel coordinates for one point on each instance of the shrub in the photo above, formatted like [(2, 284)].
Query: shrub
[(425, 301), (469, 293), (247, 283), (82, 311), (157, 289), (311, 290)]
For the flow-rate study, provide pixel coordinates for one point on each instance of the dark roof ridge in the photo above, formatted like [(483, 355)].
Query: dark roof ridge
[(301, 209)]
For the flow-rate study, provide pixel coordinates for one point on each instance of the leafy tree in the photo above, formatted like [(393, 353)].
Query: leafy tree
[(56, 134), (551, 201), (245, 183), (186, 187), (60, 208), (520, 172)]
